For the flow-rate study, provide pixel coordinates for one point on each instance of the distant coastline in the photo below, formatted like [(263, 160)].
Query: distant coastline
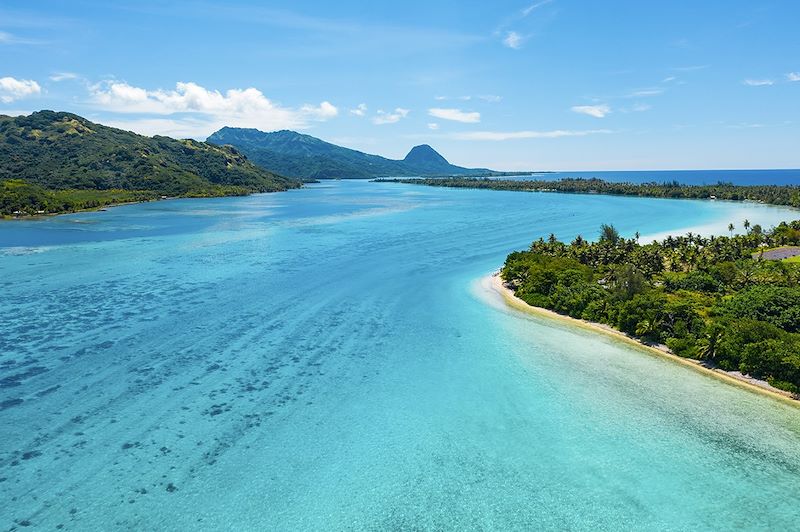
[(783, 195), (495, 283)]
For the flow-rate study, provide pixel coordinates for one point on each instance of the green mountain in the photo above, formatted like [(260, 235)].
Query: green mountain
[(307, 157), (426, 160), (55, 162)]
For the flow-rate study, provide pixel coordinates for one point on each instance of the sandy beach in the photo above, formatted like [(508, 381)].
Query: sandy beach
[(733, 377)]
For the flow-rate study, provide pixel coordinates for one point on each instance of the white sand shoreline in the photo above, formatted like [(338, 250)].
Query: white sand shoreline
[(734, 378)]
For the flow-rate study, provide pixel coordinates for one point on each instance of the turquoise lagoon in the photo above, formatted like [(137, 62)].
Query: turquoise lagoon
[(328, 359)]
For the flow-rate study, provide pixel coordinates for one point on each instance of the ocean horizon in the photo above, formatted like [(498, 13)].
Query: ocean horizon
[(685, 177)]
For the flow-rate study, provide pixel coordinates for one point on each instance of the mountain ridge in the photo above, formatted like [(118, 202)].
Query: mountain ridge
[(306, 157)]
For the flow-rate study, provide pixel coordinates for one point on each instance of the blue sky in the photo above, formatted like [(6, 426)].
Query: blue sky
[(542, 84)]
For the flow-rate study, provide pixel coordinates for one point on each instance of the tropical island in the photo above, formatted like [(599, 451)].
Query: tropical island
[(54, 162), (720, 300), (788, 195)]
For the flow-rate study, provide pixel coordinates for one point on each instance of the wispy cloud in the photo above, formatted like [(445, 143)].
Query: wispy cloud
[(638, 107), (746, 125), (433, 126), (793, 76), (533, 7), (758, 82), (681, 43), (597, 111), (12, 89), (513, 135), (513, 40), (456, 115), (490, 98), (9, 38), (63, 76), (508, 31), (391, 117), (643, 93), (322, 36), (690, 68)]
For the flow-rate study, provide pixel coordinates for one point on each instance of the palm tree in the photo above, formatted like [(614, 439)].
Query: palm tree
[(731, 228), (647, 328), (608, 233), (709, 345), (746, 224)]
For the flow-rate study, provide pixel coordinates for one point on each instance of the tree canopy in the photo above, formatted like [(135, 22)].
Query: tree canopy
[(710, 298)]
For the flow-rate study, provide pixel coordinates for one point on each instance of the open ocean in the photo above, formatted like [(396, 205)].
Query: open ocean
[(328, 359)]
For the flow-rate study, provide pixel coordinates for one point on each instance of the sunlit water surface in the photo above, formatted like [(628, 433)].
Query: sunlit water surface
[(328, 359)]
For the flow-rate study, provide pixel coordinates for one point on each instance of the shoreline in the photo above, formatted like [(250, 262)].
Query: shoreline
[(734, 378), (100, 208)]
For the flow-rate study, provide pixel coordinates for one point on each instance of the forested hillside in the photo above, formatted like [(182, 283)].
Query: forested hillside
[(56, 162)]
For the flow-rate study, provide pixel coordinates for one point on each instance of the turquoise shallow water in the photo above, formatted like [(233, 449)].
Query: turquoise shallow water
[(328, 359)]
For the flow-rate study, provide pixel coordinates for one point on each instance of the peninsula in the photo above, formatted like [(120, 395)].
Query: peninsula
[(715, 300)]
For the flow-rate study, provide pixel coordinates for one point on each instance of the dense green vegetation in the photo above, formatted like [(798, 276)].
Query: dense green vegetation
[(306, 157), (773, 194), (714, 298), (18, 198), (60, 162)]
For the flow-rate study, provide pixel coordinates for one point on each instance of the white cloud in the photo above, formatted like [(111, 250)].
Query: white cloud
[(513, 40), (456, 115), (12, 89), (512, 135), (196, 111), (642, 93), (691, 68), (528, 10), (491, 98), (360, 110), (668, 79), (746, 125), (793, 76), (183, 127), (433, 126), (758, 82), (597, 111), (63, 76), (324, 111), (636, 108), (391, 117)]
